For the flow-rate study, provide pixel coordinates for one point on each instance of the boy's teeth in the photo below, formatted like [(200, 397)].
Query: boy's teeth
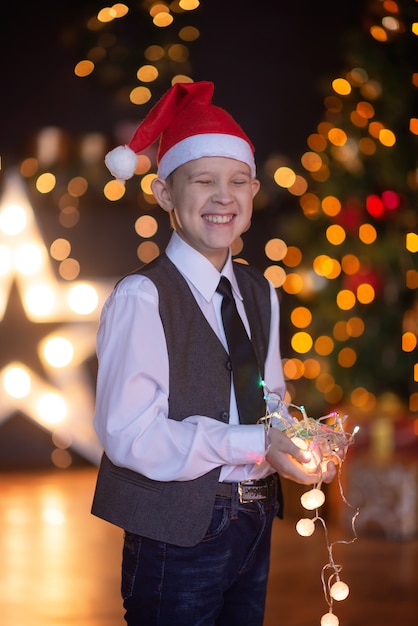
[(218, 219)]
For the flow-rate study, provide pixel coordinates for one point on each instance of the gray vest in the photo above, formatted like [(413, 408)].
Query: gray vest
[(179, 512)]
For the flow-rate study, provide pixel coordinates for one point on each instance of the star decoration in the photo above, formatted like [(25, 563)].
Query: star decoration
[(48, 331)]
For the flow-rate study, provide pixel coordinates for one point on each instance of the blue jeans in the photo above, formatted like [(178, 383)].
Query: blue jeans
[(219, 582)]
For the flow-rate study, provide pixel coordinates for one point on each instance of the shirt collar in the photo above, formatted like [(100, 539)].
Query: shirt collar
[(198, 270)]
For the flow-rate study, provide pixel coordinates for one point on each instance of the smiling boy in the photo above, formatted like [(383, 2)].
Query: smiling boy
[(177, 457)]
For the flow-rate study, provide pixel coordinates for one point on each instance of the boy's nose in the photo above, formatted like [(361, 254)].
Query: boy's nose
[(222, 193)]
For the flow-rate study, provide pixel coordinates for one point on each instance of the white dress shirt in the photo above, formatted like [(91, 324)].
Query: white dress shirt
[(131, 417)]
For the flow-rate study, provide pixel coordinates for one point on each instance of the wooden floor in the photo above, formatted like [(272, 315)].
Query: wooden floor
[(61, 567)]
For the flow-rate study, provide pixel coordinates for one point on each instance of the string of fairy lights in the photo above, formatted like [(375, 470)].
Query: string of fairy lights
[(326, 439)]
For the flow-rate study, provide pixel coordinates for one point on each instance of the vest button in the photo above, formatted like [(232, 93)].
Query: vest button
[(224, 416), (229, 365)]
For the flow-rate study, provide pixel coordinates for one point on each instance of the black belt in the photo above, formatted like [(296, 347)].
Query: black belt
[(250, 490)]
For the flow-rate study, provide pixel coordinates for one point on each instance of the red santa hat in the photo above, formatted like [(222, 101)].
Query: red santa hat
[(189, 127)]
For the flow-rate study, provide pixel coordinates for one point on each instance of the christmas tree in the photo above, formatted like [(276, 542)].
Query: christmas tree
[(351, 263)]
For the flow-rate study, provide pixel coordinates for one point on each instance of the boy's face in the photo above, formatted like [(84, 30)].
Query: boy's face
[(211, 200)]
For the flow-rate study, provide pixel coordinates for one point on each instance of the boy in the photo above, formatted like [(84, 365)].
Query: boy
[(187, 473)]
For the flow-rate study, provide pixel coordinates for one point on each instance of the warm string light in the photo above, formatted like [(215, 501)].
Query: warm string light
[(325, 439)]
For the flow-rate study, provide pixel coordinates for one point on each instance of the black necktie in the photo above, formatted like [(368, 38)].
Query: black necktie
[(245, 370)]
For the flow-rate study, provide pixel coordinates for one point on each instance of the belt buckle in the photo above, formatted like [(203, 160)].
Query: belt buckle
[(252, 491)]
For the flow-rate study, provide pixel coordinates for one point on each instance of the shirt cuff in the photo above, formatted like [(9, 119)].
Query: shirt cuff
[(247, 444)]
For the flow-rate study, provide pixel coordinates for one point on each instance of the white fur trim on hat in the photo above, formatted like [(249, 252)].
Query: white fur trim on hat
[(206, 145)]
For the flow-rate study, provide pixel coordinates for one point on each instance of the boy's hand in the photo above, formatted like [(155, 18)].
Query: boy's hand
[(291, 462)]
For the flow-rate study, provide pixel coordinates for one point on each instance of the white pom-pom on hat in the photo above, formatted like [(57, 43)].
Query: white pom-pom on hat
[(121, 162)]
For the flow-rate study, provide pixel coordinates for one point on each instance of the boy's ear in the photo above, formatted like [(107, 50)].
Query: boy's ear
[(162, 194), (255, 185)]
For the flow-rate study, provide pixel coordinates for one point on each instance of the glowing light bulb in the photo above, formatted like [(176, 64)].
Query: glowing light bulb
[(51, 408), (17, 382), (305, 527), (13, 219), (58, 351), (305, 445), (39, 300), (312, 499), (28, 259), (339, 591), (329, 619), (83, 299)]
